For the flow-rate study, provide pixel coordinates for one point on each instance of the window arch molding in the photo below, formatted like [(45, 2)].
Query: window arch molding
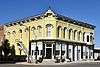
[(39, 26), (49, 25)]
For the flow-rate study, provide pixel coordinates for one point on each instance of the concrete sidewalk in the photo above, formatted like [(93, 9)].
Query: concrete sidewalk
[(64, 63)]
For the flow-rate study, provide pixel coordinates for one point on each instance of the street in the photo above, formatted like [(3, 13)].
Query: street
[(65, 65)]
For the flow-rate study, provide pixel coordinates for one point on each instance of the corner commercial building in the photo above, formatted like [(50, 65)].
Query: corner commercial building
[(51, 35)]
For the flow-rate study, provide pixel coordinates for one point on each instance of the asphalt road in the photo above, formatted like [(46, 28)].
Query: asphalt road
[(66, 65)]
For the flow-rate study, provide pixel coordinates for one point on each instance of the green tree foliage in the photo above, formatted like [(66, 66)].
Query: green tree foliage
[(6, 47)]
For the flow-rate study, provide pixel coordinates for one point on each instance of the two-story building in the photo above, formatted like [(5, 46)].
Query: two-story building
[(51, 35)]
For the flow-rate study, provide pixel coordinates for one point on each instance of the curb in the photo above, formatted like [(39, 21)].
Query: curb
[(82, 62)]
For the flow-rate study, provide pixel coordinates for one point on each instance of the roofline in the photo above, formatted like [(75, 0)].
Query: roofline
[(64, 18)]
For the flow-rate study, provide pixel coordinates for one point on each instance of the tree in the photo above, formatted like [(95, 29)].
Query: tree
[(0, 50), (12, 50), (6, 47)]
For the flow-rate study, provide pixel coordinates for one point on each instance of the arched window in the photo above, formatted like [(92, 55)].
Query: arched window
[(84, 36), (33, 32), (87, 38), (91, 39), (39, 28), (20, 31), (79, 35), (13, 32), (75, 34), (58, 31), (8, 33), (64, 32), (70, 33), (49, 27), (33, 28), (26, 29)]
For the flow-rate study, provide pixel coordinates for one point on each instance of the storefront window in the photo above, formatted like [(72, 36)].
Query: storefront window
[(63, 46), (57, 46), (83, 53), (57, 52)]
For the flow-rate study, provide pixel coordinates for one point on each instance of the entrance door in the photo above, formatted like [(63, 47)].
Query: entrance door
[(48, 53)]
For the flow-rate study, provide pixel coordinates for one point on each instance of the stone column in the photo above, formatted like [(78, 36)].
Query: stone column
[(61, 50), (52, 51), (65, 51), (71, 52), (45, 50), (84, 52), (79, 50), (88, 50), (75, 52)]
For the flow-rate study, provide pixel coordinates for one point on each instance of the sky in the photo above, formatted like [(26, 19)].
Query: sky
[(83, 10)]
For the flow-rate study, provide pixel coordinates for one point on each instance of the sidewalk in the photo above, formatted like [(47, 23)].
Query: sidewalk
[(64, 63)]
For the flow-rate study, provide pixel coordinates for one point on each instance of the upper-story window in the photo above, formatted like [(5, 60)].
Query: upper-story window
[(74, 34), (79, 35), (91, 39), (33, 32), (8, 33), (84, 36), (20, 31), (33, 28), (14, 33), (70, 33), (59, 31), (39, 29), (87, 38), (64, 32), (49, 28)]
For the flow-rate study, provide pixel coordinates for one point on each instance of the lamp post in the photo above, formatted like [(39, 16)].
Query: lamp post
[(29, 52)]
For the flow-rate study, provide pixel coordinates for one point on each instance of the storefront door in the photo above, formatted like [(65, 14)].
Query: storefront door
[(48, 53)]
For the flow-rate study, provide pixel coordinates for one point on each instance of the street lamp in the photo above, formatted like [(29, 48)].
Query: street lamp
[(29, 52)]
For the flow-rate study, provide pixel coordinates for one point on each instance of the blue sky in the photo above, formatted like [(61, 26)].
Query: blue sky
[(83, 10)]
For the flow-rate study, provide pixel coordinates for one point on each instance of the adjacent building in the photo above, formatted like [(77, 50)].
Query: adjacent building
[(50, 35), (1, 37), (97, 53)]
